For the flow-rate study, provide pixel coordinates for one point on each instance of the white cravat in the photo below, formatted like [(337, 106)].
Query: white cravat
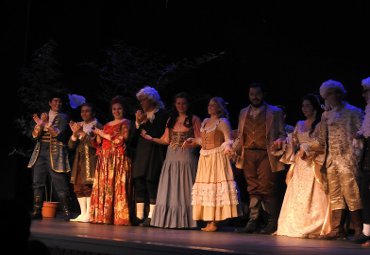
[(52, 115), (87, 127), (151, 115), (365, 128)]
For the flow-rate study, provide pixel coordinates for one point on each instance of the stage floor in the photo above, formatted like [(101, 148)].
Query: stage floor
[(73, 238)]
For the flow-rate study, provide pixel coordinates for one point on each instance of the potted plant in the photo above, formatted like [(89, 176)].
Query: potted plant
[(49, 208)]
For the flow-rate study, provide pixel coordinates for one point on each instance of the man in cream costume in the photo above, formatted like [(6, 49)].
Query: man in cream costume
[(365, 166), (341, 122)]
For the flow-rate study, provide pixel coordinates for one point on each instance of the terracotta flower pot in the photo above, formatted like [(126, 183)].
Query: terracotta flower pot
[(49, 209)]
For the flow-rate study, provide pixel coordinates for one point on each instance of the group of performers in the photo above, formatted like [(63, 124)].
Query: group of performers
[(148, 172)]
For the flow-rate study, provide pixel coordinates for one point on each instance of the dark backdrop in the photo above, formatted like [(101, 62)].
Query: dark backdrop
[(292, 47)]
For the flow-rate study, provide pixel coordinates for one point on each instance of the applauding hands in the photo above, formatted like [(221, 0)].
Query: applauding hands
[(76, 129), (277, 145), (140, 117), (42, 120)]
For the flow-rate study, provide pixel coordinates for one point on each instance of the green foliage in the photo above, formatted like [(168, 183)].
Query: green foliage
[(39, 80), (127, 69), (124, 71)]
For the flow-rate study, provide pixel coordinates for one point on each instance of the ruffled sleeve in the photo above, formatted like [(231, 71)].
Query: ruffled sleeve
[(225, 128), (196, 126), (316, 146), (289, 147)]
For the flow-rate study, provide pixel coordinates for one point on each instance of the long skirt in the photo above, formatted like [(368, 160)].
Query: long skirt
[(215, 194), (173, 207), (111, 189)]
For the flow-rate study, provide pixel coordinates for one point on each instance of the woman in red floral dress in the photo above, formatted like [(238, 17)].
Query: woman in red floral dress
[(111, 190)]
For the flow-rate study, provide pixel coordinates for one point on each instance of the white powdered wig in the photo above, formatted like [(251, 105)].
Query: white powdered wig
[(365, 128), (152, 94), (331, 84), (366, 83)]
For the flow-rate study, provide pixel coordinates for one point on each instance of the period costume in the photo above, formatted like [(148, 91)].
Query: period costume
[(305, 211), (365, 182), (365, 167), (50, 159), (258, 128), (111, 193), (215, 194), (149, 158), (84, 164), (173, 206), (341, 125)]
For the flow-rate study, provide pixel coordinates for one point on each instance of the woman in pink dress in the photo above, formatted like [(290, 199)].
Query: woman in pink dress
[(112, 185)]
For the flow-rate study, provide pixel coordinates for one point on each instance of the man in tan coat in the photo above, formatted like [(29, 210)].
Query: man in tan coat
[(260, 126)]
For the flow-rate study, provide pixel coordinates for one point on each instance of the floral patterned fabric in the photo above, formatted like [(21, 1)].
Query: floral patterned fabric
[(112, 185), (342, 163)]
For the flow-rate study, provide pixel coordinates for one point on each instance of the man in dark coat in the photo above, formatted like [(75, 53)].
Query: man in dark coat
[(150, 120), (50, 156)]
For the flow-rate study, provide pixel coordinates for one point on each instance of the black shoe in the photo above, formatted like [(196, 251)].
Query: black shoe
[(145, 223), (334, 235), (360, 239), (36, 215), (67, 215), (270, 228), (137, 222), (37, 205), (249, 228), (66, 208)]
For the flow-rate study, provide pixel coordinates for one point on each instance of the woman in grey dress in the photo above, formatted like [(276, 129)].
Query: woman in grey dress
[(173, 208)]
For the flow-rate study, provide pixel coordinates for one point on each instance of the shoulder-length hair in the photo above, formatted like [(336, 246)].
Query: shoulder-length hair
[(222, 110)]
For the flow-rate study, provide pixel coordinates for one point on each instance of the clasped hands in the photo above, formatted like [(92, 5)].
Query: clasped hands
[(190, 142), (277, 145), (140, 116), (41, 121), (76, 129), (98, 131)]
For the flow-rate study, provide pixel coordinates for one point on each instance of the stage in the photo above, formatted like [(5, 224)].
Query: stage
[(84, 238)]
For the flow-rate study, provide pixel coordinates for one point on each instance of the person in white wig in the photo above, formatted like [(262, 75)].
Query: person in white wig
[(151, 120), (341, 122), (365, 166)]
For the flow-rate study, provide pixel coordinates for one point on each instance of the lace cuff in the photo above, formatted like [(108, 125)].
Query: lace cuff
[(229, 142)]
